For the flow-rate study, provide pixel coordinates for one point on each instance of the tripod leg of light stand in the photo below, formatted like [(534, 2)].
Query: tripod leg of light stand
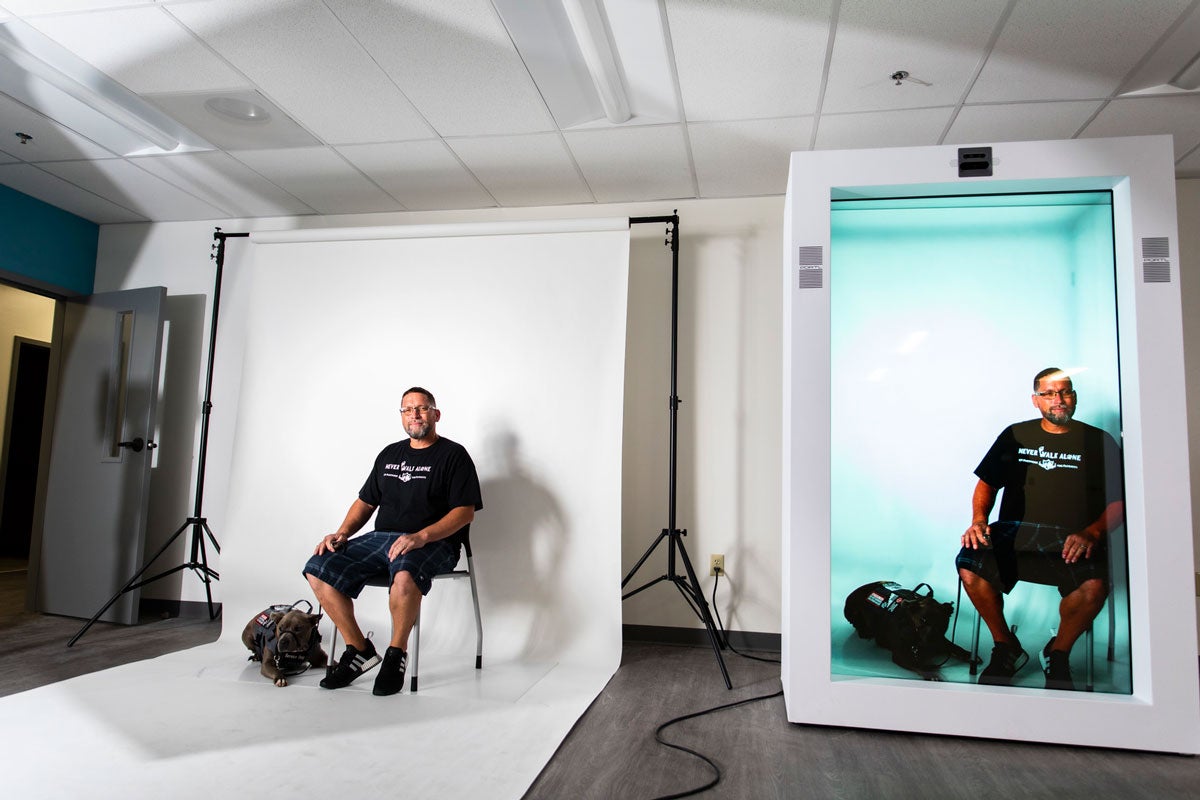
[(129, 585), (693, 589), (641, 561), (206, 572)]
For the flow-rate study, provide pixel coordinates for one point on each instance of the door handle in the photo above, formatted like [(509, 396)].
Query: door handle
[(135, 445)]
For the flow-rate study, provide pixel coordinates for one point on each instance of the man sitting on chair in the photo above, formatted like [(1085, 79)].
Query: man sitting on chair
[(1062, 498), (427, 493)]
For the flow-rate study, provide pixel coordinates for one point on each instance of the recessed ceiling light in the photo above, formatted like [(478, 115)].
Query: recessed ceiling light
[(238, 110), (234, 119)]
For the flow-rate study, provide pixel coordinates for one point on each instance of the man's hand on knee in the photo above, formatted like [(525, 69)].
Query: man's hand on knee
[(1078, 546), (977, 536), (330, 543)]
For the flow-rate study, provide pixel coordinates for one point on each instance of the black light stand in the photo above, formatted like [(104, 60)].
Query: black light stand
[(197, 523), (687, 584)]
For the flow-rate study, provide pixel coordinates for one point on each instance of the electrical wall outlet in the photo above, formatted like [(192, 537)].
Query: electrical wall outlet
[(716, 564)]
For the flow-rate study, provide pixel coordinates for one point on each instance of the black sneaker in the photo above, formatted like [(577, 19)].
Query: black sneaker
[(1057, 666), (1007, 660), (354, 663), (390, 679)]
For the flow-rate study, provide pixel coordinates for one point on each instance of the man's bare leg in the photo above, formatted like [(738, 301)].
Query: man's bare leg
[(989, 602), (1078, 610), (404, 602), (340, 610)]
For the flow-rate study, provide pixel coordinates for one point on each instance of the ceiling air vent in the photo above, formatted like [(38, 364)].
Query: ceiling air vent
[(1156, 260), (810, 267)]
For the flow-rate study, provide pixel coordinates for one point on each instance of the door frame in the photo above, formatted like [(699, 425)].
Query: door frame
[(43, 476)]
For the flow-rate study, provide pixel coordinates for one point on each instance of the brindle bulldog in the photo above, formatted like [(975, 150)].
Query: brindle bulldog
[(286, 641)]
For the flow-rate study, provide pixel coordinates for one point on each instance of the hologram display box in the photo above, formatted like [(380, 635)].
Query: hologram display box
[(920, 300)]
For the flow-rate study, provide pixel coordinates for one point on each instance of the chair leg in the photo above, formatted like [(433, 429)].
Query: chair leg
[(478, 618), (416, 652), (332, 644), (974, 663), (1112, 628), (1091, 660)]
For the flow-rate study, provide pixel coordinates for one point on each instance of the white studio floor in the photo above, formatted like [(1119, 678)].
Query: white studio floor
[(202, 723)]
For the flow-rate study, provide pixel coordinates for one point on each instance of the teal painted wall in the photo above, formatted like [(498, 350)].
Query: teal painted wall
[(46, 247)]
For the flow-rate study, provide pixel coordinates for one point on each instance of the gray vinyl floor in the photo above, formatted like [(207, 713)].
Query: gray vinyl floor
[(33, 647), (611, 752)]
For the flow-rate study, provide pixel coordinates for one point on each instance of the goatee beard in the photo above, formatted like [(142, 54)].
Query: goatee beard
[(1058, 417)]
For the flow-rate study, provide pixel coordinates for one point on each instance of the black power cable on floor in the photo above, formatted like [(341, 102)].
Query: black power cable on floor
[(716, 770), (721, 625), (712, 765)]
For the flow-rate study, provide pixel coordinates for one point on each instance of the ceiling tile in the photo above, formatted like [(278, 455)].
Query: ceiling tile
[(757, 58), (321, 178), (304, 60), (225, 183), (8, 158), (530, 170), (1136, 116), (623, 164), (50, 142), (423, 176), (123, 183), (454, 60), (51, 189), (881, 129), (935, 47), (1020, 122), (1077, 49), (741, 159), (145, 49)]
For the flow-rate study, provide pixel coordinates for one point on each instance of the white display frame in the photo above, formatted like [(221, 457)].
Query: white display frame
[(1163, 711)]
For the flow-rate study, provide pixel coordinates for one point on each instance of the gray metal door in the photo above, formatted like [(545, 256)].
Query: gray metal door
[(100, 457)]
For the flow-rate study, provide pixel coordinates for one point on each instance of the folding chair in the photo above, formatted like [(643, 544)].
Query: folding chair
[(415, 647)]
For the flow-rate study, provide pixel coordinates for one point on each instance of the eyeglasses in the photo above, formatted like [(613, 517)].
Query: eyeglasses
[(408, 411), (1061, 394)]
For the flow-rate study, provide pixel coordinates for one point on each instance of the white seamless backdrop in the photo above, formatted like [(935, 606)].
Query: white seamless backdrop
[(521, 338)]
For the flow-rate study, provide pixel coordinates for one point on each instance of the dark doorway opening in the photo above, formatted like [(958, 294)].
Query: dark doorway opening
[(22, 448)]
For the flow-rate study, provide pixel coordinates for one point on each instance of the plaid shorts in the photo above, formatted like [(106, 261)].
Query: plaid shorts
[(1024, 551), (364, 559)]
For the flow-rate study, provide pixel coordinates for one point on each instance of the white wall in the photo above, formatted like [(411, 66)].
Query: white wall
[(1187, 199), (729, 381)]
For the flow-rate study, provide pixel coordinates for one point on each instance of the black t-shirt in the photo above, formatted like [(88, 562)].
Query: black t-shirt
[(415, 487), (1065, 479)]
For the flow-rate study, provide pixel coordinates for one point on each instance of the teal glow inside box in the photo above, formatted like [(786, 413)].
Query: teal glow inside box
[(942, 310)]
